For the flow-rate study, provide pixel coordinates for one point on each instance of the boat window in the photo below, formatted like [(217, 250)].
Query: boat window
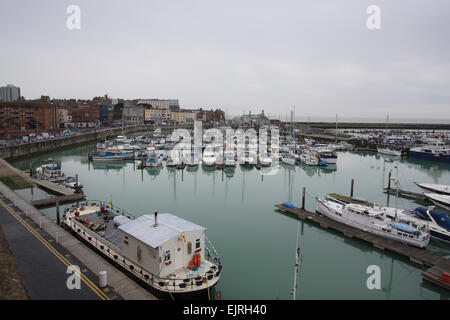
[(167, 256), (189, 247), (139, 254), (197, 243)]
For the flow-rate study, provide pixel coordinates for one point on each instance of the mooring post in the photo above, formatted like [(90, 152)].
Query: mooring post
[(57, 213), (389, 181), (303, 198), (31, 170), (351, 188), (76, 183)]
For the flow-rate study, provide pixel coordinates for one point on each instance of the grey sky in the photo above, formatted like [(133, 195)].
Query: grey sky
[(241, 55)]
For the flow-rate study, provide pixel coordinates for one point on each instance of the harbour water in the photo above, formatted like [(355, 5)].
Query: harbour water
[(255, 242)]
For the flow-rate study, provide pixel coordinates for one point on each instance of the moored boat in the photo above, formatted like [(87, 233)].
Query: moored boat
[(440, 200), (437, 152), (50, 171), (389, 152), (164, 253), (435, 188), (372, 220)]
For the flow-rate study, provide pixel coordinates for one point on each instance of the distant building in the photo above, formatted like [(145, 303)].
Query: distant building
[(210, 115), (183, 116), (156, 115), (86, 115), (45, 98), (65, 119), (9, 93), (252, 120), (132, 114), (24, 117), (174, 105), (171, 104), (104, 113)]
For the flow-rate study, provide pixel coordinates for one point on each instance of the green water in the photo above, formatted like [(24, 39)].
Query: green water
[(256, 243)]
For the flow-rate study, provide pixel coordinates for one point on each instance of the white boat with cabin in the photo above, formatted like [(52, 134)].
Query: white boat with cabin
[(372, 220), (50, 171)]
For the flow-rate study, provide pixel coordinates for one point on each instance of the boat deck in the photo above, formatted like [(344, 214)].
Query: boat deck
[(93, 215)]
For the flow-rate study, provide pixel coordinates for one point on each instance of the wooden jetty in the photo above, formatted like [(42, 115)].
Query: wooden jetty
[(423, 257), (438, 276), (402, 193), (61, 199)]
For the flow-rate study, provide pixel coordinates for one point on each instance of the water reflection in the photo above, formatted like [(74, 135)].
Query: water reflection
[(114, 166)]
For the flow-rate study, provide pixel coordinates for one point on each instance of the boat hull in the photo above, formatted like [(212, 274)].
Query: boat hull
[(430, 156)]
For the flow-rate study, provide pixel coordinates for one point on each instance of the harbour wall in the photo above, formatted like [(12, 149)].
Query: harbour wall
[(19, 150)]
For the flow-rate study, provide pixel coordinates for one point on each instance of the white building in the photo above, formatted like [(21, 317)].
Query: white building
[(65, 119), (9, 93), (165, 247)]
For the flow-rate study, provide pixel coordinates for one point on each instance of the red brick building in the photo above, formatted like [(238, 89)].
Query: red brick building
[(211, 115), (21, 118), (85, 114)]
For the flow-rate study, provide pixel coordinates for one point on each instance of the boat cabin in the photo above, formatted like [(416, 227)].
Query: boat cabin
[(163, 243)]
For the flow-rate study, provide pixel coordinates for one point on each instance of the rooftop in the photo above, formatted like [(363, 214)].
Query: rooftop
[(168, 227)]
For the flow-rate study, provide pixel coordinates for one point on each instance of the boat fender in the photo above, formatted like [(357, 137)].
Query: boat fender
[(287, 204)]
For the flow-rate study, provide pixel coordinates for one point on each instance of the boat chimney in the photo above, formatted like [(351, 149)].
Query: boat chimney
[(156, 219)]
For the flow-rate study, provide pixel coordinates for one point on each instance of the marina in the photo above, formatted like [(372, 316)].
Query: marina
[(236, 186)]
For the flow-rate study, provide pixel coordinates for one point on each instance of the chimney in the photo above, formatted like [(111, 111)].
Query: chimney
[(156, 219)]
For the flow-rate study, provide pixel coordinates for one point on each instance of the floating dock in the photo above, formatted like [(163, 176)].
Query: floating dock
[(405, 194), (419, 256), (61, 199)]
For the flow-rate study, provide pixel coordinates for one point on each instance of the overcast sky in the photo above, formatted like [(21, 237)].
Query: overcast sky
[(317, 55)]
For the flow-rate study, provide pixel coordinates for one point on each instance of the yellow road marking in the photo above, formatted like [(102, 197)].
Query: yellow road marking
[(86, 280)]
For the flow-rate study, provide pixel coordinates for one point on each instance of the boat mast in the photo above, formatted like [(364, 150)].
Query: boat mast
[(396, 197), (336, 129), (297, 255)]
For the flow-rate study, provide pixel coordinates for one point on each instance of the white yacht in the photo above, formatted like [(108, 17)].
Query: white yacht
[(438, 223), (209, 158), (441, 200), (310, 159), (265, 160), (121, 139), (389, 152), (191, 160), (153, 159), (288, 158), (372, 220), (229, 159)]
